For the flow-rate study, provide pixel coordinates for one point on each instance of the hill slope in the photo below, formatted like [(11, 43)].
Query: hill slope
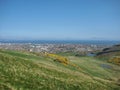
[(27, 71), (111, 54), (111, 51)]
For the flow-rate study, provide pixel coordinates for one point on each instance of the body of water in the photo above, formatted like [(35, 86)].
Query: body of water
[(94, 42)]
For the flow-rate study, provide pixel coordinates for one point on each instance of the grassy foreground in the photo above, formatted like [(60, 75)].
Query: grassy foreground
[(27, 71)]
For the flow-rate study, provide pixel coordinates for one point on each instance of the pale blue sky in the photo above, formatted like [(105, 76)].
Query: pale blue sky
[(60, 19)]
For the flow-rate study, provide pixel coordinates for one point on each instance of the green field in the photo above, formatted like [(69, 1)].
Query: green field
[(28, 71)]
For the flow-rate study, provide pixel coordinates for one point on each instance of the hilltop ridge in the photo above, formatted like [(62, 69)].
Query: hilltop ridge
[(111, 50)]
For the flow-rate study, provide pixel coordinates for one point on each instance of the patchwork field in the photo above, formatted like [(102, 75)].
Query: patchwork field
[(30, 71)]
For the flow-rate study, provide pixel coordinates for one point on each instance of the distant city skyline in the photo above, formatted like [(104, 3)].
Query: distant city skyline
[(60, 19)]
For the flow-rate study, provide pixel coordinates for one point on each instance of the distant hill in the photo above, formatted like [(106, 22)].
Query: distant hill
[(112, 54), (114, 50)]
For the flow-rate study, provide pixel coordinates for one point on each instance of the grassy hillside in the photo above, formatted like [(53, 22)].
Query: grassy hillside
[(111, 54), (28, 71)]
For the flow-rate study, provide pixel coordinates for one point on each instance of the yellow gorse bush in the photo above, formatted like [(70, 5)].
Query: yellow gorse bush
[(115, 60), (61, 59), (58, 58)]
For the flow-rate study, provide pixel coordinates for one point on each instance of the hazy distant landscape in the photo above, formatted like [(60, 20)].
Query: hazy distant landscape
[(59, 44)]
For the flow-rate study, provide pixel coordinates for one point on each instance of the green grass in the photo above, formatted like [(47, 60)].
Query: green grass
[(26, 71), (67, 53), (93, 67)]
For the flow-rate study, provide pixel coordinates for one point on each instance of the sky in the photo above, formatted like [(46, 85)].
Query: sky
[(60, 19)]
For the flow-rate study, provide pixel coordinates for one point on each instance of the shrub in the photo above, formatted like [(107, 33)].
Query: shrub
[(58, 58), (115, 60)]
